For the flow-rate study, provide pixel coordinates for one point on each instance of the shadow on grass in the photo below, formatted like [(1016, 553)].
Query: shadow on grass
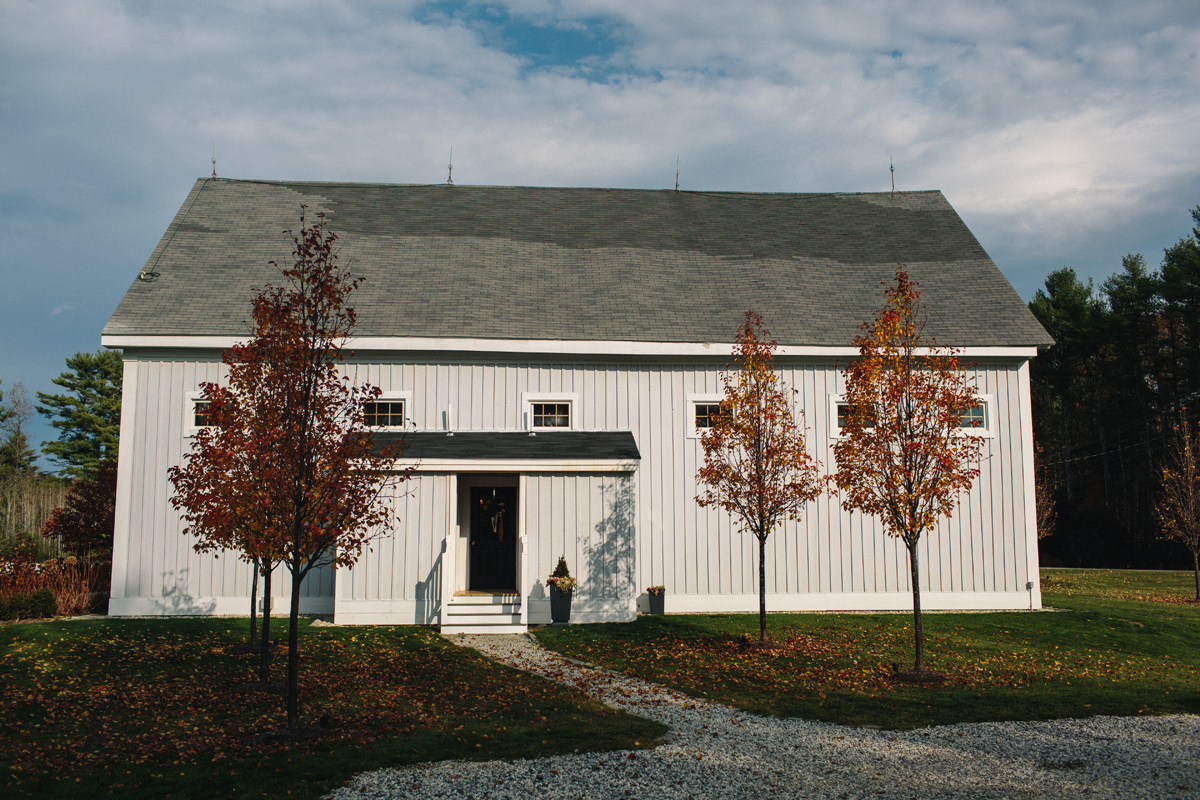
[(1104, 656), (143, 708)]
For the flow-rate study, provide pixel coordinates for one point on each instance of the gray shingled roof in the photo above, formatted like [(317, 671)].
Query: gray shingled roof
[(588, 445), (581, 264)]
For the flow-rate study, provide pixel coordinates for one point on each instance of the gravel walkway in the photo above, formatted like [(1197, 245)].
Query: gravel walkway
[(718, 752)]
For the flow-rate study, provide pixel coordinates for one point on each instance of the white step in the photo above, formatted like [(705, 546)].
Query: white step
[(452, 629), (484, 608), (486, 599), (483, 619), (476, 613)]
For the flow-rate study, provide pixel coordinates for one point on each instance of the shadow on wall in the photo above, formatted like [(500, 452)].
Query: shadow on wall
[(177, 603), (610, 551), (428, 593)]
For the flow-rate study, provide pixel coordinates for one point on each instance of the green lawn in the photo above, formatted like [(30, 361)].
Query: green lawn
[(143, 708), (1101, 655)]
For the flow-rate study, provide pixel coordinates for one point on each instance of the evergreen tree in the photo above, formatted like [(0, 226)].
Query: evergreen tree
[(88, 417)]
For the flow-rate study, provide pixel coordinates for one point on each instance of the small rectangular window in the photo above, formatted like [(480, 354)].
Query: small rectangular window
[(200, 418), (843, 413), (974, 417), (707, 415), (384, 414), (551, 415)]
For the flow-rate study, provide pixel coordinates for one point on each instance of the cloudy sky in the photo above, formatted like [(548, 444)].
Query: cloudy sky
[(1064, 132)]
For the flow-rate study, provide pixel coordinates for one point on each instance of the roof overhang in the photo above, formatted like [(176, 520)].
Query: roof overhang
[(513, 451), (539, 347)]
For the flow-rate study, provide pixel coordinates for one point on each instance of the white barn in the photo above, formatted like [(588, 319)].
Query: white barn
[(551, 347)]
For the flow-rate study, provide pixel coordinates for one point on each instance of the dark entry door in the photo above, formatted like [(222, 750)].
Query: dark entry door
[(493, 539)]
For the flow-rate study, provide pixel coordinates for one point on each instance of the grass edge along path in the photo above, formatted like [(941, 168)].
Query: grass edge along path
[(143, 708), (1105, 655)]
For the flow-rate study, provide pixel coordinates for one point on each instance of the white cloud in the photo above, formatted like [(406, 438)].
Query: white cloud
[(1056, 129)]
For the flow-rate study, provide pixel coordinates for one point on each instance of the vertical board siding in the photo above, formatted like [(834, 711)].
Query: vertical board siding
[(675, 543), (589, 520), (399, 564), (160, 559)]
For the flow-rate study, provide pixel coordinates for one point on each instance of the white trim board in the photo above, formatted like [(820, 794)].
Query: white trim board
[(547, 346), (515, 465), (856, 601), (209, 606)]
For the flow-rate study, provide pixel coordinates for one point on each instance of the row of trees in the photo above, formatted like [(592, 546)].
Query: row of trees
[(1108, 396), (285, 473), (902, 456)]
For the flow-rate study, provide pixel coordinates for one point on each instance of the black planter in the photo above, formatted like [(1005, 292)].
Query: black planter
[(560, 606), (658, 603)]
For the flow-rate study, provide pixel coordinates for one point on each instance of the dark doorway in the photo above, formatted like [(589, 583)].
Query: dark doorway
[(493, 539)]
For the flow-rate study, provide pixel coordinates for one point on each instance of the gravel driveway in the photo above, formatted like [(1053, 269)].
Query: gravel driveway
[(719, 752)]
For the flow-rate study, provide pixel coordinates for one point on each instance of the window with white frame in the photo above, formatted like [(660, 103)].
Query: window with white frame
[(839, 412), (707, 414), (200, 417), (551, 415), (384, 414), (390, 410), (703, 410), (551, 412), (977, 420), (195, 414)]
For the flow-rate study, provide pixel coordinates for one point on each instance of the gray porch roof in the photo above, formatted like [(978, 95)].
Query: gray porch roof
[(532, 263), (514, 445)]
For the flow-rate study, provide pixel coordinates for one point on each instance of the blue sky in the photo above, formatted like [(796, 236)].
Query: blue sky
[(1065, 133)]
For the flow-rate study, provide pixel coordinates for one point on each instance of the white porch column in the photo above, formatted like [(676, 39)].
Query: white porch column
[(449, 548)]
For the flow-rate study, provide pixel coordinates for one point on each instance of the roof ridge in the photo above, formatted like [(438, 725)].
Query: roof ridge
[(472, 186)]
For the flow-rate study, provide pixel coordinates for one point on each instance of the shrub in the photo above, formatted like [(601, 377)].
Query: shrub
[(35, 605), (71, 584)]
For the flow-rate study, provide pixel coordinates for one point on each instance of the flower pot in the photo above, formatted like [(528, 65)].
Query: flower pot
[(658, 603), (560, 606)]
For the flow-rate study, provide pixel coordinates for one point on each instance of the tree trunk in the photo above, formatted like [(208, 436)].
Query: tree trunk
[(1196, 565), (293, 685), (264, 651), (254, 604), (762, 589), (918, 632)]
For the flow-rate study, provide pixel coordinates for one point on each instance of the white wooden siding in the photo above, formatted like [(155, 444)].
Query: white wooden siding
[(830, 558)]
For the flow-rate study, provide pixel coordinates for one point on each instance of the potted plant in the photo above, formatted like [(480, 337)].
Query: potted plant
[(561, 585), (658, 599)]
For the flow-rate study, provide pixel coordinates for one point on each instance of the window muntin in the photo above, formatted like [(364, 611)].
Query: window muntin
[(975, 417), (384, 414), (551, 415), (843, 414), (200, 415), (706, 414)]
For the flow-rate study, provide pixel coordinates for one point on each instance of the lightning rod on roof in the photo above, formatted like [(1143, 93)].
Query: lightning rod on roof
[(450, 166), (677, 172), (892, 170), (214, 158)]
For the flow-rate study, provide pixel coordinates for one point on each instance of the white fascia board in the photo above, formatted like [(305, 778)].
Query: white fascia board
[(541, 346), (515, 465)]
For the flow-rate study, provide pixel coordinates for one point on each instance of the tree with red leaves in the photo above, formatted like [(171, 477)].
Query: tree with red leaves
[(284, 473), (218, 489), (84, 524), (903, 455), (755, 464)]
